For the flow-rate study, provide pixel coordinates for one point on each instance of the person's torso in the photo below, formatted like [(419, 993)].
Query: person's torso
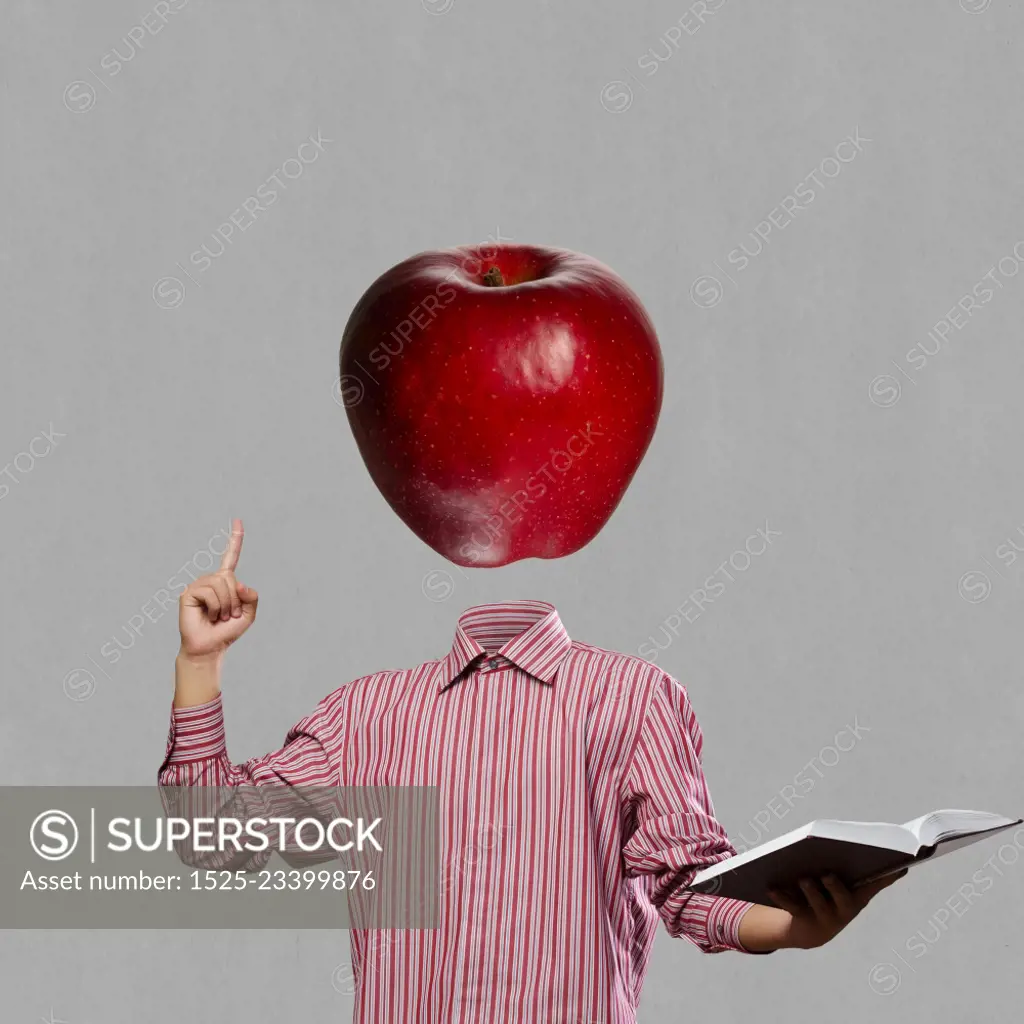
[(537, 924)]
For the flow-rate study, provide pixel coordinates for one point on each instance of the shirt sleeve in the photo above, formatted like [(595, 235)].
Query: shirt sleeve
[(670, 827), (198, 779), (197, 755)]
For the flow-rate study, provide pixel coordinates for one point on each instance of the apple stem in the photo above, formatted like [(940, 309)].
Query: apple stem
[(493, 278)]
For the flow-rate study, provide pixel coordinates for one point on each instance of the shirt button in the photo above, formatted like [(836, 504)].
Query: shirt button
[(494, 662)]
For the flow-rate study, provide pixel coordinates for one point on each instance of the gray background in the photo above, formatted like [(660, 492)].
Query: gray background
[(449, 126)]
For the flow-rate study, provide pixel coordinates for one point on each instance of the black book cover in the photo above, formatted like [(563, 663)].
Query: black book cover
[(812, 856)]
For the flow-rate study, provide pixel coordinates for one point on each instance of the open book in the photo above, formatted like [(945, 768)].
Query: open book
[(857, 851)]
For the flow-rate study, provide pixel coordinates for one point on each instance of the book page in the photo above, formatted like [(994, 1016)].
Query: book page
[(935, 826), (868, 833), (945, 846)]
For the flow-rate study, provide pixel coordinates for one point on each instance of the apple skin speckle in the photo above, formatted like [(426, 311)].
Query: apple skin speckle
[(501, 421)]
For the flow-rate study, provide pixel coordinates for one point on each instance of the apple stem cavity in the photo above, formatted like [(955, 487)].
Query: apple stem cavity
[(493, 278)]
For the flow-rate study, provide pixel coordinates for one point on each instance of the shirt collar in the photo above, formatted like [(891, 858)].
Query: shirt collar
[(538, 648)]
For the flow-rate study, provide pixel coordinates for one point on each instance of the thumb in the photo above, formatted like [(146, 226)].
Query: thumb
[(248, 597)]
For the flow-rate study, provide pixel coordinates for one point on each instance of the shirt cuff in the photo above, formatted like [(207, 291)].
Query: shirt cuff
[(196, 733), (723, 924)]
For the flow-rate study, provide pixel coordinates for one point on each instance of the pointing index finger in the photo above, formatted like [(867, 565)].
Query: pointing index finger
[(230, 558)]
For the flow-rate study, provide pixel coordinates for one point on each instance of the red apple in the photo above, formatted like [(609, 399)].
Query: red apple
[(501, 397)]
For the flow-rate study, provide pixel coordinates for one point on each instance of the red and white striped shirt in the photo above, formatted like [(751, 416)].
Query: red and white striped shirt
[(585, 766)]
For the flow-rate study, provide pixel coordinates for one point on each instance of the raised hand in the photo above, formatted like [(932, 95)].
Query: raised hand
[(216, 609)]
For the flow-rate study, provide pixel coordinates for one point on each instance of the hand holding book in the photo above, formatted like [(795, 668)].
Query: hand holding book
[(826, 907), (858, 853)]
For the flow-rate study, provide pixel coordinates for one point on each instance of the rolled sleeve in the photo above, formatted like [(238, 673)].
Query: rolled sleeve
[(670, 828), (198, 780), (197, 755), (196, 733), (723, 927)]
